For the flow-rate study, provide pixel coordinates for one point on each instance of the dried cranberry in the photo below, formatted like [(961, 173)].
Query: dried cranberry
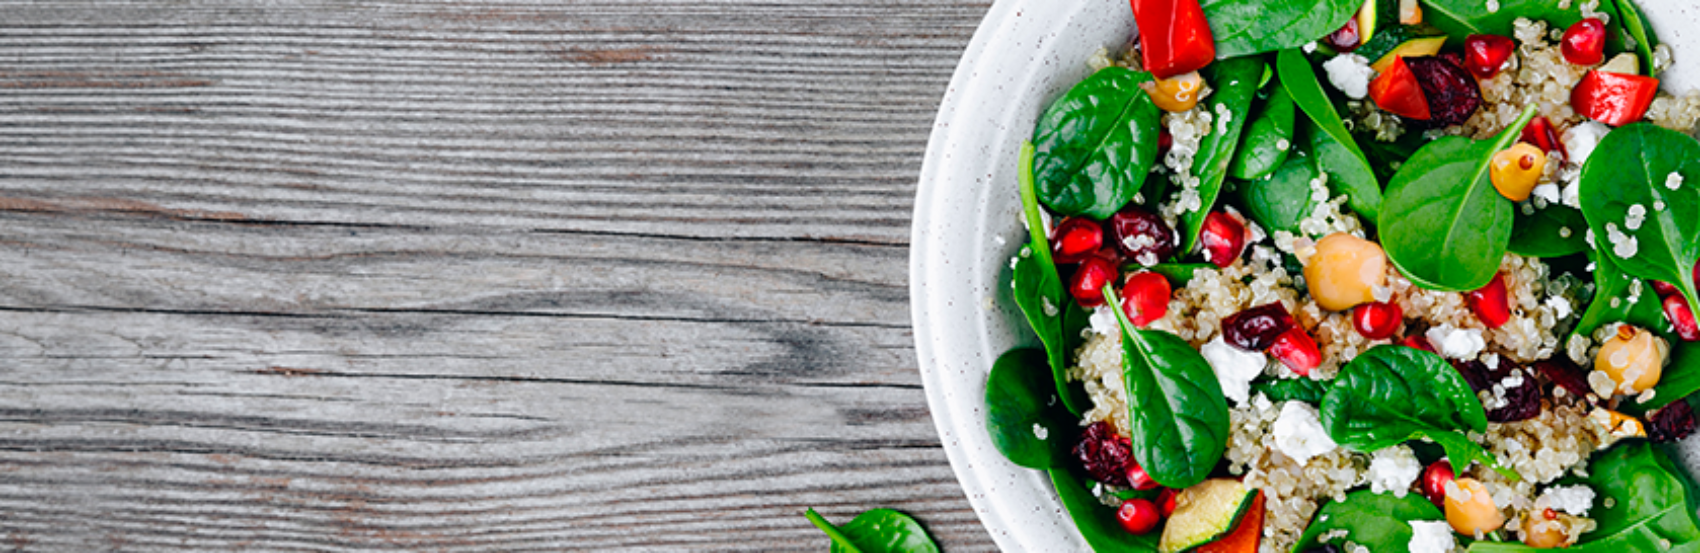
[(1541, 134), (1104, 454), (1485, 55), (1377, 320), (1087, 282), (1297, 350), (1142, 236), (1521, 392), (1145, 297), (1492, 303), (1671, 422), (1255, 329), (1077, 237), (1676, 310), (1452, 93), (1346, 39), (1565, 375), (1434, 481), (1138, 516), (1222, 238), (1584, 43)]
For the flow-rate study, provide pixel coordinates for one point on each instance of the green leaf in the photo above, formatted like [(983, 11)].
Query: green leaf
[(1178, 273), (1243, 27), (1260, 151), (1343, 157), (1391, 394), (1381, 522), (1681, 377), (1348, 171), (1556, 231), (876, 531), (1095, 520), (1613, 302), (1054, 315), (1453, 226), (1291, 389), (1178, 415), (1644, 504), (1634, 25), (1095, 144), (1461, 18), (1629, 167), (1021, 405), (1235, 81), (1281, 199)]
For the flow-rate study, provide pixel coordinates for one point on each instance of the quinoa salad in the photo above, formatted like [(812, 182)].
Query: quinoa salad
[(1337, 276)]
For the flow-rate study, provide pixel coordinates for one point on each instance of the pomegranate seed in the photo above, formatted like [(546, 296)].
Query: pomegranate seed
[(1103, 454), (1145, 297), (1087, 283), (1676, 309), (1671, 422), (1491, 303), (1417, 341), (1663, 289), (1223, 238), (1452, 93), (1377, 320), (1565, 375), (1297, 350), (1137, 478), (1166, 501), (1346, 38), (1077, 238), (1585, 42), (1256, 329), (1434, 481), (1540, 133), (1138, 516), (1142, 236), (1485, 55)]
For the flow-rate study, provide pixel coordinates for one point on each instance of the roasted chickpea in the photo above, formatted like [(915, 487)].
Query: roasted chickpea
[(1470, 508), (1345, 271), (1634, 359), (1543, 530), (1175, 94), (1515, 170)]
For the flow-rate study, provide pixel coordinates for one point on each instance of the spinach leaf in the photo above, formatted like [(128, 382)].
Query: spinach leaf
[(1391, 394), (1612, 301), (1461, 18), (1096, 143), (876, 531), (1387, 157), (1556, 231), (1378, 521), (1243, 27), (1055, 317), (1178, 273), (1291, 389), (1096, 521), (1236, 83), (1453, 226), (1027, 422), (1681, 378), (1634, 166), (1343, 156), (1281, 199), (1348, 171), (1178, 415), (1635, 27), (1645, 504), (1261, 150)]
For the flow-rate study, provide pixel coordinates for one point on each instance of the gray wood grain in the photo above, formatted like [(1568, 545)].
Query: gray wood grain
[(468, 276)]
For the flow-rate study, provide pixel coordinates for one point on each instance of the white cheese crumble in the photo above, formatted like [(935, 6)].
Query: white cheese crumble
[(1235, 368), (1560, 306), (1431, 536), (1350, 73), (1581, 139), (1104, 321), (1393, 469), (1575, 499), (1299, 433), (1456, 343), (1547, 191)]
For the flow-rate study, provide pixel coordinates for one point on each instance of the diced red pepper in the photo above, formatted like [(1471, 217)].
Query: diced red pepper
[(1615, 99), (1397, 91), (1174, 37)]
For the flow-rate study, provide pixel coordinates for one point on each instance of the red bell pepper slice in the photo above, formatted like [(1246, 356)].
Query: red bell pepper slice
[(1615, 99), (1396, 90), (1174, 37)]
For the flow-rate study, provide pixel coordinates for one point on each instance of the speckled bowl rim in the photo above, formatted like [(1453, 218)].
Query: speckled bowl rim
[(966, 226)]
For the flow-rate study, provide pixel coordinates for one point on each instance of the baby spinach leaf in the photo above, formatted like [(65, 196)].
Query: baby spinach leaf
[(1379, 521), (1243, 27), (1391, 394), (876, 531), (1644, 504), (1178, 415), (1461, 18), (1291, 389), (1095, 144), (1635, 26), (1453, 226), (1178, 273), (1681, 378), (1281, 199), (1267, 138), (1027, 422), (1055, 317), (1637, 165), (1556, 231), (1236, 83), (1613, 301), (1095, 520), (1342, 156), (1348, 171)]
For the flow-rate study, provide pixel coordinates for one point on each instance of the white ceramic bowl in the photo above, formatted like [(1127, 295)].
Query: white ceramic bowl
[(1025, 54)]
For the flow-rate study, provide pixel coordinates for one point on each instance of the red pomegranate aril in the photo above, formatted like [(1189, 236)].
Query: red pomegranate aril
[(1541, 134), (1585, 42), (1137, 478), (1676, 309), (1145, 297), (1077, 238), (1142, 236), (1417, 341), (1346, 39), (1485, 55), (1166, 501), (1256, 328), (1434, 481), (1138, 516), (1223, 238), (1453, 95), (1377, 320), (1297, 350), (1491, 303), (1663, 288), (1104, 454), (1087, 284)]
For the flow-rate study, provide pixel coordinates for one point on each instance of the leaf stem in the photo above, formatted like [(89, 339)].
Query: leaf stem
[(1509, 136), (831, 531), (1040, 243)]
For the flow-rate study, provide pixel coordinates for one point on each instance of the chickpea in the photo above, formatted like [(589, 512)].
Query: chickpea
[(1345, 271), (1634, 359), (1470, 508), (1515, 170), (1175, 94), (1543, 530)]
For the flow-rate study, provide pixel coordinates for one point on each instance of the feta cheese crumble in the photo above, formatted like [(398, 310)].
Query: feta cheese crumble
[(1350, 73), (1235, 368), (1393, 469), (1581, 139), (1575, 499), (1299, 433), (1104, 322), (1456, 343), (1431, 536)]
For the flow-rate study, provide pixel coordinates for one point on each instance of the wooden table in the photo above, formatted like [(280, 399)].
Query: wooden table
[(463, 276)]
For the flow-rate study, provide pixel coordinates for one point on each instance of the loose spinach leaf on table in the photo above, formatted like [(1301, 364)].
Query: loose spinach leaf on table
[(1054, 315), (1644, 504), (1027, 423), (1453, 226), (1632, 166), (1279, 200), (1379, 521), (1096, 521), (1343, 155), (1095, 144), (876, 531), (1556, 231), (1243, 27), (1236, 83), (1266, 139), (1392, 394), (1178, 415)]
